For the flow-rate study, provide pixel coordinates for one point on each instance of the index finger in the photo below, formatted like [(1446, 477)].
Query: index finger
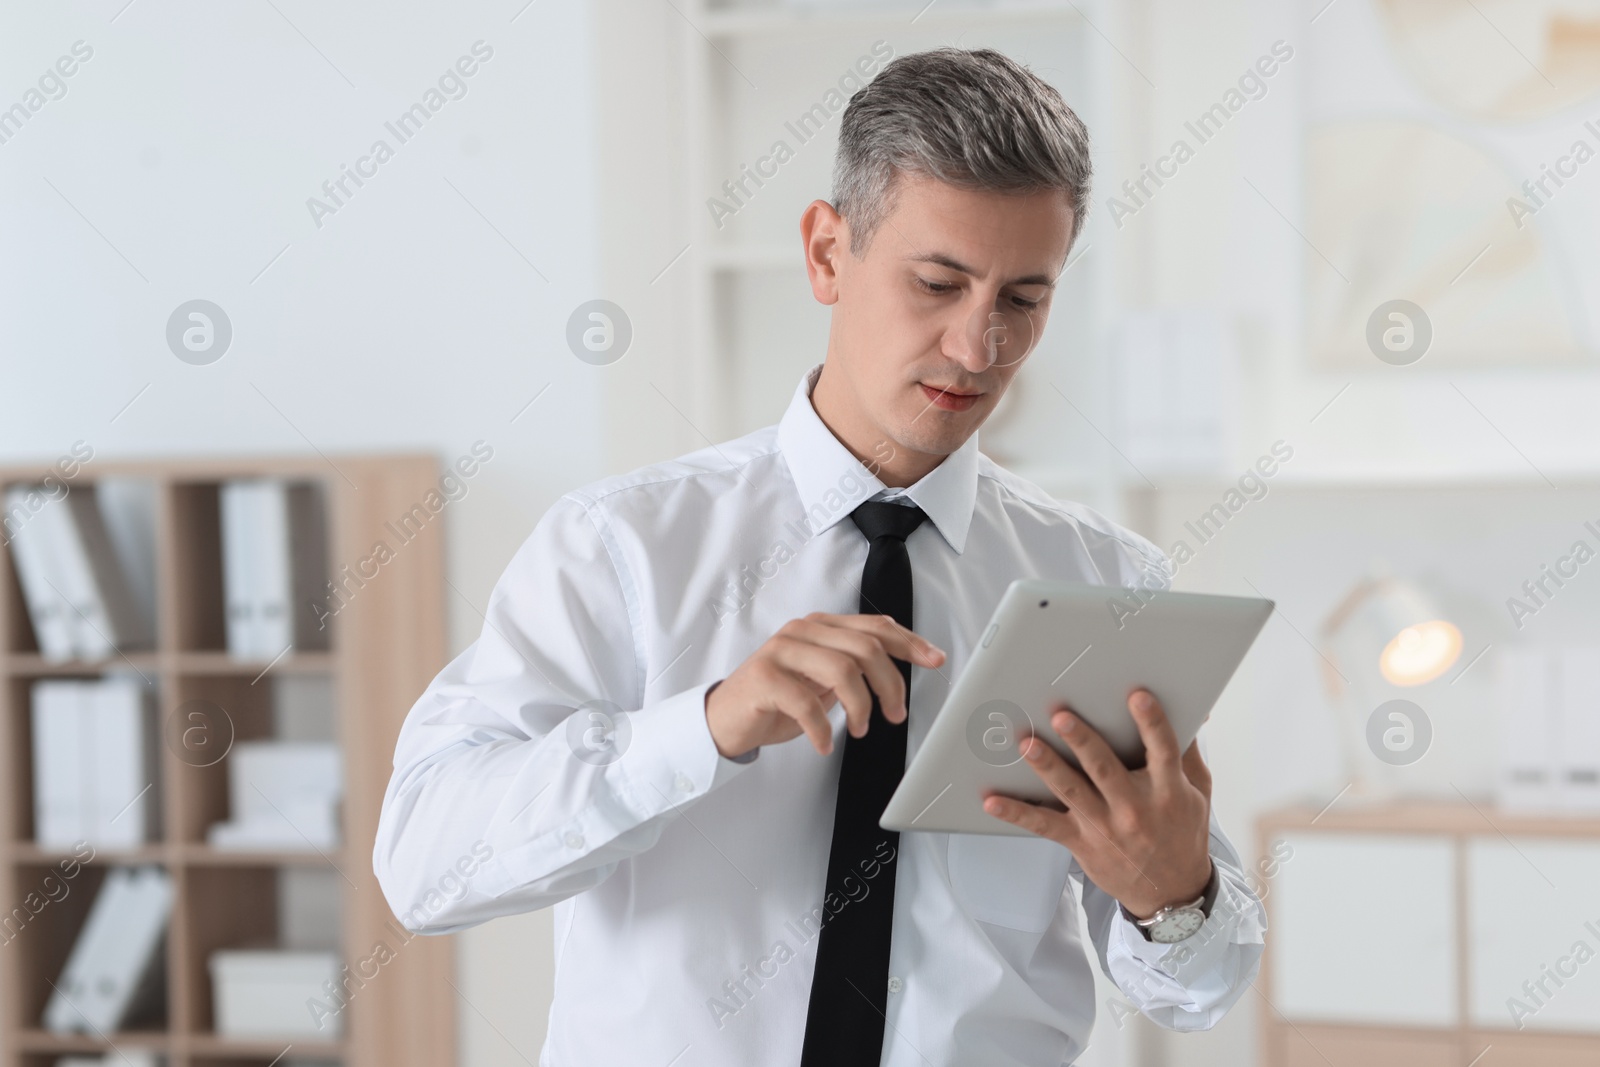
[(899, 641), (1162, 755)]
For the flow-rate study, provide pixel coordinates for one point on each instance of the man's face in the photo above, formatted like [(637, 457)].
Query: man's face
[(937, 315)]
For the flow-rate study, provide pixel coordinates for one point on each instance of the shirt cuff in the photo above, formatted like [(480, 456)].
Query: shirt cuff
[(672, 757), (1197, 954), (754, 752)]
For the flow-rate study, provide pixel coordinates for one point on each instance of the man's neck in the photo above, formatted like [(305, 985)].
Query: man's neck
[(894, 465)]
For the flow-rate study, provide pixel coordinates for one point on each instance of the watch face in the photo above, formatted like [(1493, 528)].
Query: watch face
[(1177, 925)]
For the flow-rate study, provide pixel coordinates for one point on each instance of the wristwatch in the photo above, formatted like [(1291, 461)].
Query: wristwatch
[(1177, 922)]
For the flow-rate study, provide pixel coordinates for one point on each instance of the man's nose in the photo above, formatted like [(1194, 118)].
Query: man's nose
[(978, 340)]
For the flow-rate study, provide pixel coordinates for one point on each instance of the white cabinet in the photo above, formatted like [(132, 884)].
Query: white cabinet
[(1363, 930), (1424, 934), (1533, 907)]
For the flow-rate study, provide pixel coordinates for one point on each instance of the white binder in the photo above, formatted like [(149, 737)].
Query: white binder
[(124, 759), (33, 549), (94, 763), (274, 569), (115, 968), (77, 594), (60, 793), (110, 619), (274, 548), (240, 597)]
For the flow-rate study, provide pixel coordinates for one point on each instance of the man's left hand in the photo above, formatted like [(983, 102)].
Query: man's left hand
[(1142, 836)]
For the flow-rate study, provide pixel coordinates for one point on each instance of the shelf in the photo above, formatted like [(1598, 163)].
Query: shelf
[(26, 853), (1416, 476), (206, 856), (226, 898), (46, 1041), (33, 665), (782, 21), (180, 855), (222, 663), (1417, 816), (211, 1045), (242, 1048)]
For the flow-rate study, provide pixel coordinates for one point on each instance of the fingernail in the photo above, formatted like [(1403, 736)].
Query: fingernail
[(1142, 701), (1035, 751), (1068, 721)]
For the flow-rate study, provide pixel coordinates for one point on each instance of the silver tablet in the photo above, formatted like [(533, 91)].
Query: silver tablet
[(1087, 646)]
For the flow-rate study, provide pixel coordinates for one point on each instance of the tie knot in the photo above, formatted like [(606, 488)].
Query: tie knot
[(884, 518)]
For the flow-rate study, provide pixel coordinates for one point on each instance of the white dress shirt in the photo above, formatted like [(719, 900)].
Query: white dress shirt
[(569, 746)]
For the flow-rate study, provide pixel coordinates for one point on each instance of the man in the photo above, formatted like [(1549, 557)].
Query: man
[(624, 740)]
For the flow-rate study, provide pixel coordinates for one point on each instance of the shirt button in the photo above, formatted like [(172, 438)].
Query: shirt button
[(895, 985), (683, 783), (574, 840)]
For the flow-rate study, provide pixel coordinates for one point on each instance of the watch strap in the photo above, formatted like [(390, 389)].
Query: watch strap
[(1213, 887), (1205, 903)]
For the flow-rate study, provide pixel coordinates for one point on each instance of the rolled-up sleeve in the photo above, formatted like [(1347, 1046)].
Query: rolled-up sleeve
[(1192, 984), (528, 769)]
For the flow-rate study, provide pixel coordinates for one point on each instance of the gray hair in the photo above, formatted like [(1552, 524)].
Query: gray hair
[(972, 118)]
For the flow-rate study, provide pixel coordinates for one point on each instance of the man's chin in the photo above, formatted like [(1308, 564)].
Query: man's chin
[(939, 433)]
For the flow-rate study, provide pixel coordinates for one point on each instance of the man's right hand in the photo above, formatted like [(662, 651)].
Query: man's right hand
[(788, 684)]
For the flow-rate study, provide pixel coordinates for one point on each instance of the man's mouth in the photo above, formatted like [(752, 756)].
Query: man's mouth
[(950, 400)]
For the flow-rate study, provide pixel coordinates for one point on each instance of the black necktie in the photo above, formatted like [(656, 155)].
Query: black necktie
[(850, 990)]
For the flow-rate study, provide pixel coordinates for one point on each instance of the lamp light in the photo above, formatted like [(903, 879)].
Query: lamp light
[(1391, 656), (1416, 643)]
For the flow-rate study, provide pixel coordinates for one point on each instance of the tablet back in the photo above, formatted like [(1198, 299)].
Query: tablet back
[(1086, 646)]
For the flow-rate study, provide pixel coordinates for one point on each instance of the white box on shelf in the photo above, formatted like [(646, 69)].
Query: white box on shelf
[(281, 794), (312, 824), (264, 777), (275, 993)]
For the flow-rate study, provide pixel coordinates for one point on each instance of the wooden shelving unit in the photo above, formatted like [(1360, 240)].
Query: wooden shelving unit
[(387, 643), (1288, 1041)]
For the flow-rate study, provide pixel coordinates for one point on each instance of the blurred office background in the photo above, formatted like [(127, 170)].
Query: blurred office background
[(1330, 326)]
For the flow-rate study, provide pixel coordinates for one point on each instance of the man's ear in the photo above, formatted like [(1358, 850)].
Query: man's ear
[(826, 237)]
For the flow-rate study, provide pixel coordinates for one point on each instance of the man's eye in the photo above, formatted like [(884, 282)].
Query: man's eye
[(933, 287), (1025, 305)]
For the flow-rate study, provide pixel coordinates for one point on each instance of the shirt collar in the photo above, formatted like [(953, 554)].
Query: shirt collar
[(831, 481)]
